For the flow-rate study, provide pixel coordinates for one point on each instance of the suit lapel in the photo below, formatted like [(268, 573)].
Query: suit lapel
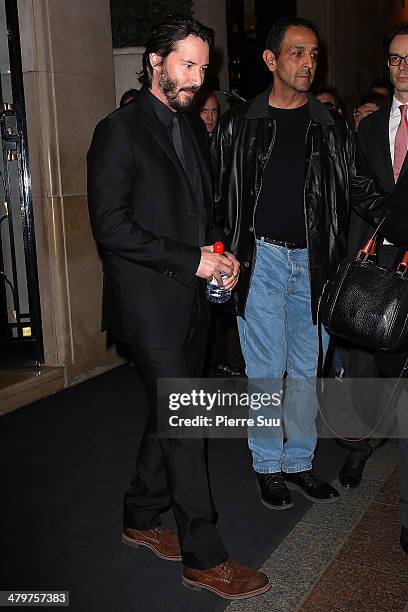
[(154, 126), (156, 129), (203, 165), (384, 144)]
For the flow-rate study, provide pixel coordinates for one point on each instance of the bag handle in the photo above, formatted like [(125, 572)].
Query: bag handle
[(370, 249), (394, 396), (403, 264)]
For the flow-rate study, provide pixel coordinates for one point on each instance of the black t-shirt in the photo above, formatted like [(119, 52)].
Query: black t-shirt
[(280, 209)]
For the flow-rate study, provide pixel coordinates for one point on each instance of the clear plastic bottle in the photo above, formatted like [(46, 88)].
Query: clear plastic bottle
[(215, 292)]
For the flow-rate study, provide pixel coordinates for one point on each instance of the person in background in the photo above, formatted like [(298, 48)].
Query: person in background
[(395, 230), (330, 97), (209, 109), (128, 96), (383, 144), (369, 103), (382, 86), (222, 322)]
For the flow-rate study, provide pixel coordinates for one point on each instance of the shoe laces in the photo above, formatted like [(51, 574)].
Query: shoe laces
[(311, 480), (228, 569), (274, 480), (356, 462)]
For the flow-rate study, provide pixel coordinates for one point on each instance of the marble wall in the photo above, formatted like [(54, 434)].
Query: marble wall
[(127, 61), (213, 14)]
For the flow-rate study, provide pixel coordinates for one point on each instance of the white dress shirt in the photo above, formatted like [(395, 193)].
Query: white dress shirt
[(395, 119)]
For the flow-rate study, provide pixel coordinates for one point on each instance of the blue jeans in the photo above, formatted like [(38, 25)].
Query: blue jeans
[(278, 335)]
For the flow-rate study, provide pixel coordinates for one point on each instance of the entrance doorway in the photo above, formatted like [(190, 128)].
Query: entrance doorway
[(20, 317)]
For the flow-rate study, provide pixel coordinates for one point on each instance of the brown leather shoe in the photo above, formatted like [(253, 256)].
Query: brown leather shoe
[(160, 540), (230, 580)]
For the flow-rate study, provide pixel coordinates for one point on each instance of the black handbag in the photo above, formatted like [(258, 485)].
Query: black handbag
[(366, 304)]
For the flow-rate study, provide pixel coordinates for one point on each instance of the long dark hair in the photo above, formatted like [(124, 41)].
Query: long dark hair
[(164, 38)]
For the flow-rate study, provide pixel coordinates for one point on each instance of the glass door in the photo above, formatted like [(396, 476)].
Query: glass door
[(20, 316)]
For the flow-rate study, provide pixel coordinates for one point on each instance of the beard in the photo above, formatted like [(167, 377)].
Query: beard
[(170, 90)]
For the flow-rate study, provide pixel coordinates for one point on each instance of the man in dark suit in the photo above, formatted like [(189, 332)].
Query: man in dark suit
[(383, 140), (150, 203)]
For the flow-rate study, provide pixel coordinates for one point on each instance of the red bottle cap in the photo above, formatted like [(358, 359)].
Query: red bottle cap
[(218, 247)]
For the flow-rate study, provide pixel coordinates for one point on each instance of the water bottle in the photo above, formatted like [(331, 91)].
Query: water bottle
[(215, 292)]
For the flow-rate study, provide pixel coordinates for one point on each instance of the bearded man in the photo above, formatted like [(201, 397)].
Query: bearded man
[(150, 203)]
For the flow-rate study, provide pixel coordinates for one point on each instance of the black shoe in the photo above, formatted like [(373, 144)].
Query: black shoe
[(352, 471), (404, 539), (223, 370), (311, 487), (274, 492)]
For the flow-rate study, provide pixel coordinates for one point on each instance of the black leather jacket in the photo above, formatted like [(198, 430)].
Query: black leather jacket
[(241, 147)]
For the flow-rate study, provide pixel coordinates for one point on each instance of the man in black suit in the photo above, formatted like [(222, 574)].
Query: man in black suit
[(383, 140), (150, 203)]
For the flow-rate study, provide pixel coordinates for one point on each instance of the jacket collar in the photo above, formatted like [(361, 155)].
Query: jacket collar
[(259, 108), (153, 124)]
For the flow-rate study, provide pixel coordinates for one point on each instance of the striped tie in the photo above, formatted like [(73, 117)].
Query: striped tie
[(177, 142)]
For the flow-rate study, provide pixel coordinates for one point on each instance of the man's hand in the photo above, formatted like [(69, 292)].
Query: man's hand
[(211, 264), (229, 283)]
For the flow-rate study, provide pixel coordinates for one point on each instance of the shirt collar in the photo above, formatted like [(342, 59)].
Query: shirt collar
[(395, 106), (259, 108), (164, 113)]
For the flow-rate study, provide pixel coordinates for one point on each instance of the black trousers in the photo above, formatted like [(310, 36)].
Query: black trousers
[(173, 472), (362, 364)]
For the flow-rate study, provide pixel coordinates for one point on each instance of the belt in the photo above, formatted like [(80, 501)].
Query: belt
[(284, 243)]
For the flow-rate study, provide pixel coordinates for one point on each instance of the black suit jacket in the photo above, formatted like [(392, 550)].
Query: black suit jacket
[(373, 159), (145, 220)]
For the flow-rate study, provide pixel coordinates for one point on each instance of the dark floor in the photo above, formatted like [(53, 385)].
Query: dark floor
[(65, 461)]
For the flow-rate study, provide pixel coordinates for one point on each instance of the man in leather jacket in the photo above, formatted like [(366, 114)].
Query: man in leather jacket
[(284, 176)]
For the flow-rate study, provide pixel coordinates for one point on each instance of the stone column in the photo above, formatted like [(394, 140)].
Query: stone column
[(69, 87), (213, 14)]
